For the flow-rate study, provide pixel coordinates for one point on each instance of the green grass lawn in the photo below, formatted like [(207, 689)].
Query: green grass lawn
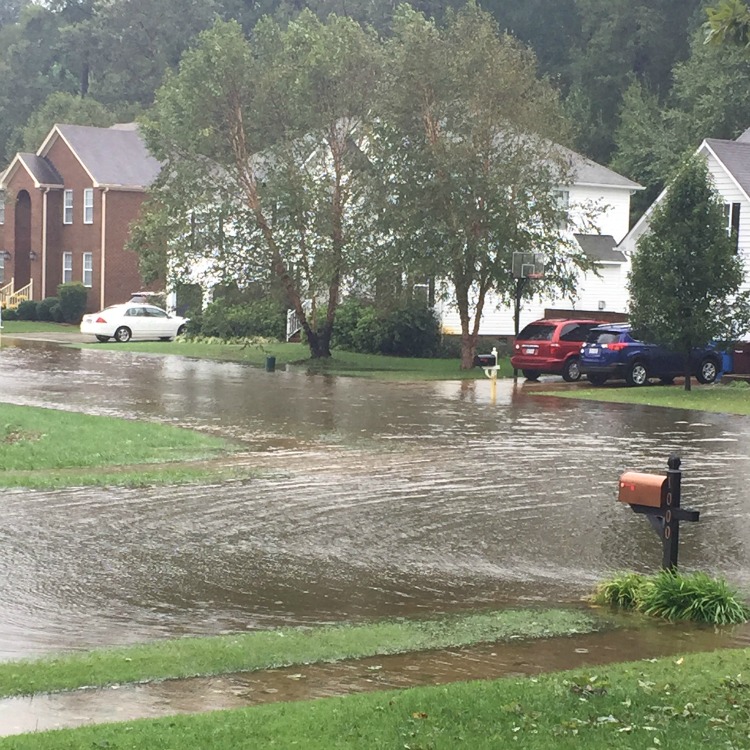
[(47, 448), (699, 701), (36, 326), (186, 657), (729, 399)]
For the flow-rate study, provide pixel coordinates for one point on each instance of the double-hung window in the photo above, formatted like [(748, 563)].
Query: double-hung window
[(88, 269), (88, 206), (732, 218), (67, 207), (67, 269), (2, 206), (563, 205)]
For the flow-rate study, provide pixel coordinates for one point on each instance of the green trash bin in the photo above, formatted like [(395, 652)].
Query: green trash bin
[(270, 364)]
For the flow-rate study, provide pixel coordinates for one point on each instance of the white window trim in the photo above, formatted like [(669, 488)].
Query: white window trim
[(88, 206), (67, 207), (88, 260), (67, 267), (2, 207)]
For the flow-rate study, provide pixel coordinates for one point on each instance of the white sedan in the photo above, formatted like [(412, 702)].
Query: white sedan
[(133, 321)]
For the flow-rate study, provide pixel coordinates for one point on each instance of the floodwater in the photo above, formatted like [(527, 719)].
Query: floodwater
[(375, 500)]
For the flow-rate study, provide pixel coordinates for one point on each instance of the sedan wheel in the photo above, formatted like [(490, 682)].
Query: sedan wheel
[(636, 374), (572, 370), (123, 334), (103, 339), (708, 372)]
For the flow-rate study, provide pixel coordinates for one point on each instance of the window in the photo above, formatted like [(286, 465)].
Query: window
[(88, 269), (563, 205), (732, 217), (67, 274), (67, 207), (88, 206), (2, 206), (2, 268)]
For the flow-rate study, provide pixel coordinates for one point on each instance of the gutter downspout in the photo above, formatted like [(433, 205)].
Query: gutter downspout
[(44, 243), (103, 248)]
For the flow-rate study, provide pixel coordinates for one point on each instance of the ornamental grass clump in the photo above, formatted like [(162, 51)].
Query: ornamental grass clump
[(675, 596), (622, 590)]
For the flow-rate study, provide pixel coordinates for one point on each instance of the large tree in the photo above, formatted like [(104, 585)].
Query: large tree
[(686, 282), (465, 150), (273, 132)]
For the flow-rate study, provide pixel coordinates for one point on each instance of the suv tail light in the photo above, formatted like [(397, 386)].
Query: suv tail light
[(618, 346)]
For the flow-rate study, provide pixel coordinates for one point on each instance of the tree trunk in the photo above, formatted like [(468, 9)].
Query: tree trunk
[(686, 370)]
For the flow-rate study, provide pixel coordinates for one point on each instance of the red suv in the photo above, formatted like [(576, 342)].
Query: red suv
[(551, 346)]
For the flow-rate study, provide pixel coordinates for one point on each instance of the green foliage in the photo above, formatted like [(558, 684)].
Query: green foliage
[(695, 596), (10, 313), (686, 278), (48, 308), (73, 296), (675, 596), (224, 320), (62, 107), (729, 23), (622, 590), (27, 310), (409, 330)]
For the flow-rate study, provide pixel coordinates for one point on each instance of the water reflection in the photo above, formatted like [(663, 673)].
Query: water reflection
[(377, 499)]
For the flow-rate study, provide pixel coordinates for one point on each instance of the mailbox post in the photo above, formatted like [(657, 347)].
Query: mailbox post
[(658, 498)]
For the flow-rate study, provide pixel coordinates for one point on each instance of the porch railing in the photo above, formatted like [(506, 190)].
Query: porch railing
[(14, 299)]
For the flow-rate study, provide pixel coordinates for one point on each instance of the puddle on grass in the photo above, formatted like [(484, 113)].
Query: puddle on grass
[(480, 662)]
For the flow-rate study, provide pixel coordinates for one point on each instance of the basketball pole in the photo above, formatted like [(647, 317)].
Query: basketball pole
[(520, 284)]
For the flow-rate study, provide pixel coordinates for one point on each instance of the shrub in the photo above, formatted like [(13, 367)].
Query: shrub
[(264, 318), (409, 330), (675, 596), (45, 308), (10, 313), (73, 297), (27, 310)]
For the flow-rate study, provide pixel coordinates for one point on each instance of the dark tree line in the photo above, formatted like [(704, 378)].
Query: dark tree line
[(639, 85)]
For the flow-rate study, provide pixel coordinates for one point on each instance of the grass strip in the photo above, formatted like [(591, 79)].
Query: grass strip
[(726, 399), (342, 363), (701, 700), (51, 448), (187, 657)]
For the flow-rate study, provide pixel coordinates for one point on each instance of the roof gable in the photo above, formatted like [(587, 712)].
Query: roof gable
[(113, 157), (39, 169), (734, 157)]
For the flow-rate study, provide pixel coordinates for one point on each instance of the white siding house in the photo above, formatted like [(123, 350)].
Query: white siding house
[(607, 192), (729, 166)]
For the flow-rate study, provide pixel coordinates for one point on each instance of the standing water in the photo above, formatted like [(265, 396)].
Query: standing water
[(374, 500)]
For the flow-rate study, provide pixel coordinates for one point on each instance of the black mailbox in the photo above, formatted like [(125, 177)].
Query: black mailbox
[(658, 498), (485, 360)]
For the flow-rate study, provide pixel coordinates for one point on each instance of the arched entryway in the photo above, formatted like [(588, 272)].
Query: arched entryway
[(22, 259)]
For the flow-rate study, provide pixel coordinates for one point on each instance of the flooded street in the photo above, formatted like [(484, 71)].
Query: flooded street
[(375, 500)]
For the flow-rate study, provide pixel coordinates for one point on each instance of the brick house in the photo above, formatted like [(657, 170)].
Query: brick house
[(66, 212)]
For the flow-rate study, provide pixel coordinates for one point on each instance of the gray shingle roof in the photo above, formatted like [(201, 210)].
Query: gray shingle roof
[(588, 172), (115, 157), (600, 247), (735, 156), (41, 170)]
